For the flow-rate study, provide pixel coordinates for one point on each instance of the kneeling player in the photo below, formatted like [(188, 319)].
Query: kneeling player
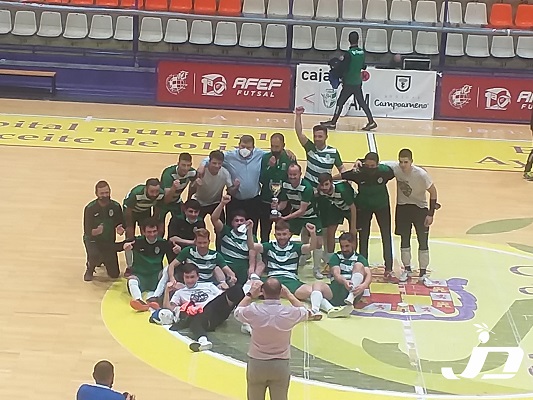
[(201, 306), (351, 275), (282, 264)]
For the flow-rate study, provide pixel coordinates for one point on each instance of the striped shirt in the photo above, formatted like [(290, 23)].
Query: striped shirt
[(137, 200), (342, 197), (206, 263), (346, 262), (320, 161), (303, 193), (234, 247), (169, 175), (282, 261)]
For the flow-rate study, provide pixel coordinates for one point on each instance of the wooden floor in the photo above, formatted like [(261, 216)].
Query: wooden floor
[(51, 330)]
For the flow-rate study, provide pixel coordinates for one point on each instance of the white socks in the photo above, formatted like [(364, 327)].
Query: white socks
[(317, 259), (135, 290), (316, 300), (406, 256), (129, 258), (325, 305), (357, 279), (162, 284)]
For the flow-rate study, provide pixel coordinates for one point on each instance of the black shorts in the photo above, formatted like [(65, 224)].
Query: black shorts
[(138, 218), (409, 215), (102, 253)]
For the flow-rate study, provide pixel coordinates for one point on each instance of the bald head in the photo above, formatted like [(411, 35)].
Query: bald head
[(272, 289)]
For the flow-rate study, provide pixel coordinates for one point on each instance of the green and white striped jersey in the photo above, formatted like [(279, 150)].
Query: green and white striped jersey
[(234, 247), (169, 175), (282, 261), (346, 262), (206, 264), (320, 161), (342, 197), (304, 192), (137, 200)]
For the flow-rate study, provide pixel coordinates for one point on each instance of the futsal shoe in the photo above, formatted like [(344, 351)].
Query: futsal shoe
[(370, 126), (389, 277), (314, 316), (424, 279), (317, 274), (246, 329), (528, 176), (140, 305), (88, 275), (404, 275), (340, 312), (201, 345), (329, 124)]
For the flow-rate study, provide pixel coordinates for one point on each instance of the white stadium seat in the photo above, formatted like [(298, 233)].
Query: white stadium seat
[(50, 24), (326, 38), (455, 45), (427, 43), (226, 33), (251, 35), (302, 37), (401, 42), (376, 41), (477, 46), (124, 28), (151, 30), (352, 10), (502, 47), (276, 36), (76, 26), (101, 27), (201, 32), (176, 31), (25, 24)]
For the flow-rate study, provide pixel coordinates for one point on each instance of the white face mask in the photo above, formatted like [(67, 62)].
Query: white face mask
[(245, 152)]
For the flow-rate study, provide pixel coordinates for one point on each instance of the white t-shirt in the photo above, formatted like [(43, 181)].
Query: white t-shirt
[(412, 186), (210, 191), (201, 294)]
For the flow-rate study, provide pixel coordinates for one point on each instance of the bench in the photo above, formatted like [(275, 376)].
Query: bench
[(34, 74)]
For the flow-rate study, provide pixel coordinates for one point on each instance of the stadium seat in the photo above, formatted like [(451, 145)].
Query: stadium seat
[(25, 24), (88, 3), (501, 15), (524, 16), (180, 6), (524, 47), (326, 38), (455, 12), (156, 5), (226, 34), (230, 8), (427, 43), (352, 10), (107, 3), (376, 10), (278, 8), (401, 11), (151, 30), (131, 4), (476, 14), (50, 24), (401, 42), (5, 22), (176, 31), (376, 41), (201, 32), (205, 7), (76, 26), (303, 9), (477, 46), (124, 28), (455, 45), (327, 9), (344, 43), (426, 12), (251, 35), (101, 27), (276, 36), (502, 47), (253, 7), (302, 37)]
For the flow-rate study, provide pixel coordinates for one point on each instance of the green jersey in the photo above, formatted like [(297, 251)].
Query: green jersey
[(342, 197), (303, 193), (352, 76), (148, 260), (169, 175), (320, 161), (346, 262), (137, 200), (277, 173), (205, 263), (110, 216), (234, 247), (282, 261), (372, 184)]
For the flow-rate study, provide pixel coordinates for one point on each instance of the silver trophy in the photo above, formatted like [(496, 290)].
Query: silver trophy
[(275, 188)]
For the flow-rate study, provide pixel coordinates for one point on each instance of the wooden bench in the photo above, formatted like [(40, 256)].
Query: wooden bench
[(35, 74)]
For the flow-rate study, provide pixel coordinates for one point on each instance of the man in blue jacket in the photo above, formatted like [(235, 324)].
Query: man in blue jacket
[(104, 375)]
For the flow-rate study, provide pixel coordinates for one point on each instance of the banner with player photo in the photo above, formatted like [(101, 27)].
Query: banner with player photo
[(255, 87), (486, 98), (389, 92)]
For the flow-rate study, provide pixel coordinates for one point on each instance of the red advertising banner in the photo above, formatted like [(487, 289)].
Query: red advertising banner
[(224, 85), (486, 98)]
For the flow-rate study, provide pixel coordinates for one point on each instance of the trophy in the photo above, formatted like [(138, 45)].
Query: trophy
[(275, 188)]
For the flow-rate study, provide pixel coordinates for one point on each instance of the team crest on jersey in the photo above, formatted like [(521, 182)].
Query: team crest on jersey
[(96, 214), (380, 180), (157, 250), (432, 303), (111, 212)]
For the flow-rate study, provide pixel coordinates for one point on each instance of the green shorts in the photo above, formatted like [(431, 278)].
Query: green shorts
[(148, 282), (290, 283), (339, 294), (331, 215), (139, 217), (241, 271), (296, 225)]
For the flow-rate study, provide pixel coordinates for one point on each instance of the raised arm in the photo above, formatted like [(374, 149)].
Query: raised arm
[(215, 217), (298, 127), (313, 240), (257, 247)]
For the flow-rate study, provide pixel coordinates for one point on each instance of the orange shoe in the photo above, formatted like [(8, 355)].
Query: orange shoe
[(139, 305)]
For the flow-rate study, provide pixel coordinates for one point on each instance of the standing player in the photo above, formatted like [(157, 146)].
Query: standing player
[(352, 62), (412, 210), (298, 193), (142, 202), (174, 180), (529, 163), (373, 199), (336, 203), (282, 264), (148, 252), (101, 219)]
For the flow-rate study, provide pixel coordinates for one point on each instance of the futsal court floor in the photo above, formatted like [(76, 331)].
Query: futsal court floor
[(54, 326)]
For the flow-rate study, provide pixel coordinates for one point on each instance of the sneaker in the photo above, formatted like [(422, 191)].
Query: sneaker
[(153, 301), (315, 316), (139, 305), (88, 275), (201, 345), (424, 279), (403, 276), (340, 312), (329, 124), (370, 126), (350, 299), (317, 274), (246, 329), (529, 177)]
